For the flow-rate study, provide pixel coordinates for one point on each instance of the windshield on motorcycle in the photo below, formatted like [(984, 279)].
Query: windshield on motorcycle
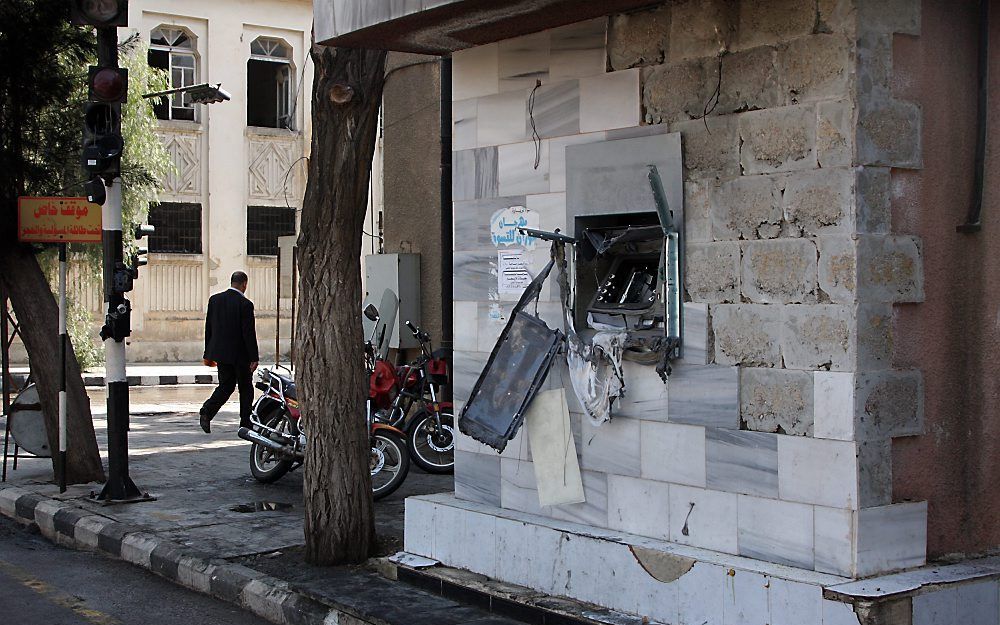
[(385, 327)]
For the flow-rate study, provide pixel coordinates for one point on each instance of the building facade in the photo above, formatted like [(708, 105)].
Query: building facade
[(240, 165), (828, 422)]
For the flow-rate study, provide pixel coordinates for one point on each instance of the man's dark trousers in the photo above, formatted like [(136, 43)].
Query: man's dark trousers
[(232, 377)]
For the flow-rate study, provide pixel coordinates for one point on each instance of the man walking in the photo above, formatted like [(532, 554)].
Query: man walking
[(231, 342)]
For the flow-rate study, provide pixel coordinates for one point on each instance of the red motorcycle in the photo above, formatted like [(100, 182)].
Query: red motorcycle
[(395, 391)]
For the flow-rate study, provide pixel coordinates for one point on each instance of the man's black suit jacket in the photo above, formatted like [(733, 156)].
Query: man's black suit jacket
[(230, 336)]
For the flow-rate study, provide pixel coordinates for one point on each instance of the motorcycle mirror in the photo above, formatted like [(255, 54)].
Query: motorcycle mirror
[(371, 312)]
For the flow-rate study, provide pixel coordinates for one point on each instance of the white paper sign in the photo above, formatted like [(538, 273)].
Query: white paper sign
[(512, 271), (505, 225)]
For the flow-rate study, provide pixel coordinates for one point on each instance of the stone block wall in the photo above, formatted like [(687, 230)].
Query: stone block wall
[(772, 439)]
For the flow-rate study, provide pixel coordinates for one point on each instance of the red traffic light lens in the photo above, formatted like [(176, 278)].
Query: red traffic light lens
[(108, 85), (100, 10)]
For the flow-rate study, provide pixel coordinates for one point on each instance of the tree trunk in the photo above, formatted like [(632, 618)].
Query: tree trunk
[(329, 362), (38, 317)]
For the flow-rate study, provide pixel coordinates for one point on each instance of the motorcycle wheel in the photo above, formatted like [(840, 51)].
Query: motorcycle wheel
[(433, 451), (265, 466), (390, 462)]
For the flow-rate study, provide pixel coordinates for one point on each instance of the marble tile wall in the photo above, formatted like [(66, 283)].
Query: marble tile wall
[(673, 463)]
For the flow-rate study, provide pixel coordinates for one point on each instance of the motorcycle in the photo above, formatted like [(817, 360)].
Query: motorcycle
[(278, 437), (431, 430)]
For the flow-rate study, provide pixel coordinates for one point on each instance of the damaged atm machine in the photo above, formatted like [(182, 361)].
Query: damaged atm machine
[(617, 270)]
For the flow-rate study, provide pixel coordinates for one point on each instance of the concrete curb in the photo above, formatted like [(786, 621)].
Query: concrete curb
[(157, 380), (265, 596)]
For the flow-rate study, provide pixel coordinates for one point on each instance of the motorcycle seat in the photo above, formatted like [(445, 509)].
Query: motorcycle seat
[(287, 382)]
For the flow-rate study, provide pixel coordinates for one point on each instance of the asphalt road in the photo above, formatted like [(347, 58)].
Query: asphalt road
[(43, 584)]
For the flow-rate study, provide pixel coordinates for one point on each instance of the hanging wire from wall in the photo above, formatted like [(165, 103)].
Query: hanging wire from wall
[(535, 138)]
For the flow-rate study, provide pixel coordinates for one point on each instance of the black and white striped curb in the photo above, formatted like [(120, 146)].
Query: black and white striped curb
[(266, 596), (157, 380)]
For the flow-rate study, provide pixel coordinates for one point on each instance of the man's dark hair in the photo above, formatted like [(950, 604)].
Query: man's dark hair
[(238, 279)]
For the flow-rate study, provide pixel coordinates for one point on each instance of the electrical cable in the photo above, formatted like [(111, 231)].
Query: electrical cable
[(535, 137)]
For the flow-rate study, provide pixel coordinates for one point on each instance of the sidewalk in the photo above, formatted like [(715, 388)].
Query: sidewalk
[(213, 528)]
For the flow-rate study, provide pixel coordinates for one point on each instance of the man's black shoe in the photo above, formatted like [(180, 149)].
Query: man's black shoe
[(206, 423)]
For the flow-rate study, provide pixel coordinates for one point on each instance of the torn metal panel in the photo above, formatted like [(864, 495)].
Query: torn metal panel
[(513, 375), (595, 372)]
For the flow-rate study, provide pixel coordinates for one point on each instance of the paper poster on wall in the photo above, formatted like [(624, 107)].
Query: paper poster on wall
[(505, 225), (512, 271)]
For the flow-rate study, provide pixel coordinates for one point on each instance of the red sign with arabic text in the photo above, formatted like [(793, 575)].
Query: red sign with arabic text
[(58, 220)]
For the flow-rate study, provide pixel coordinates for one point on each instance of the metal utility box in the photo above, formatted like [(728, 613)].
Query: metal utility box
[(399, 273)]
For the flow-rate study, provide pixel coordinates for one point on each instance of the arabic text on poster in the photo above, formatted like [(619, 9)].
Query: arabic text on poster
[(58, 220), (512, 275)]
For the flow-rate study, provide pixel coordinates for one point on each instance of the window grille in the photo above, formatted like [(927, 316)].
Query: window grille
[(177, 228), (264, 225)]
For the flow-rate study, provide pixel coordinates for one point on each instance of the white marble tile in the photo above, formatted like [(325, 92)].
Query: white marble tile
[(557, 156), (467, 366), (776, 531), (462, 531), (463, 175), (419, 527), (609, 101), (795, 603), (707, 395), (477, 477), (524, 60), (833, 540), (491, 323), (551, 209), (695, 348), (463, 124), (741, 462), (645, 394), (639, 506), (818, 471), (594, 511), (527, 554), (703, 518), (474, 276), (745, 601), (833, 405), (978, 603), (612, 447), (891, 537), (475, 72), (701, 593), (554, 110), (472, 221), (936, 608), (672, 453), (837, 613), (466, 329), (518, 174), (517, 487), (501, 118), (577, 50)]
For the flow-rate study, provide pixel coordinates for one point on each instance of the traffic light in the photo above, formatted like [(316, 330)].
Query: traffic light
[(98, 12), (107, 88), (96, 191), (125, 275)]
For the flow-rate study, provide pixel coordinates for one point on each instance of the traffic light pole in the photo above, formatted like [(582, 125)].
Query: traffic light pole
[(119, 487)]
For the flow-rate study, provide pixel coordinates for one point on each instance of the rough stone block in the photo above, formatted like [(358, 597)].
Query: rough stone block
[(777, 400), (890, 269), (835, 134), (818, 337), (750, 81), (817, 67), (889, 404), (889, 16), (874, 473), (679, 91), (698, 211), (747, 208), (873, 197), (835, 16), (779, 272), (874, 66), (838, 268), (712, 272), (774, 21), (711, 151), (874, 336), (701, 28), (820, 202), (747, 334), (889, 134), (637, 39), (779, 139)]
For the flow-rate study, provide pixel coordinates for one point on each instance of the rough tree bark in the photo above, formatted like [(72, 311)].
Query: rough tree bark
[(38, 317), (339, 512)]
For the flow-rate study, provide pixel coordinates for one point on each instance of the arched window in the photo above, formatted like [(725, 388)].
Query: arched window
[(269, 84), (172, 49)]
